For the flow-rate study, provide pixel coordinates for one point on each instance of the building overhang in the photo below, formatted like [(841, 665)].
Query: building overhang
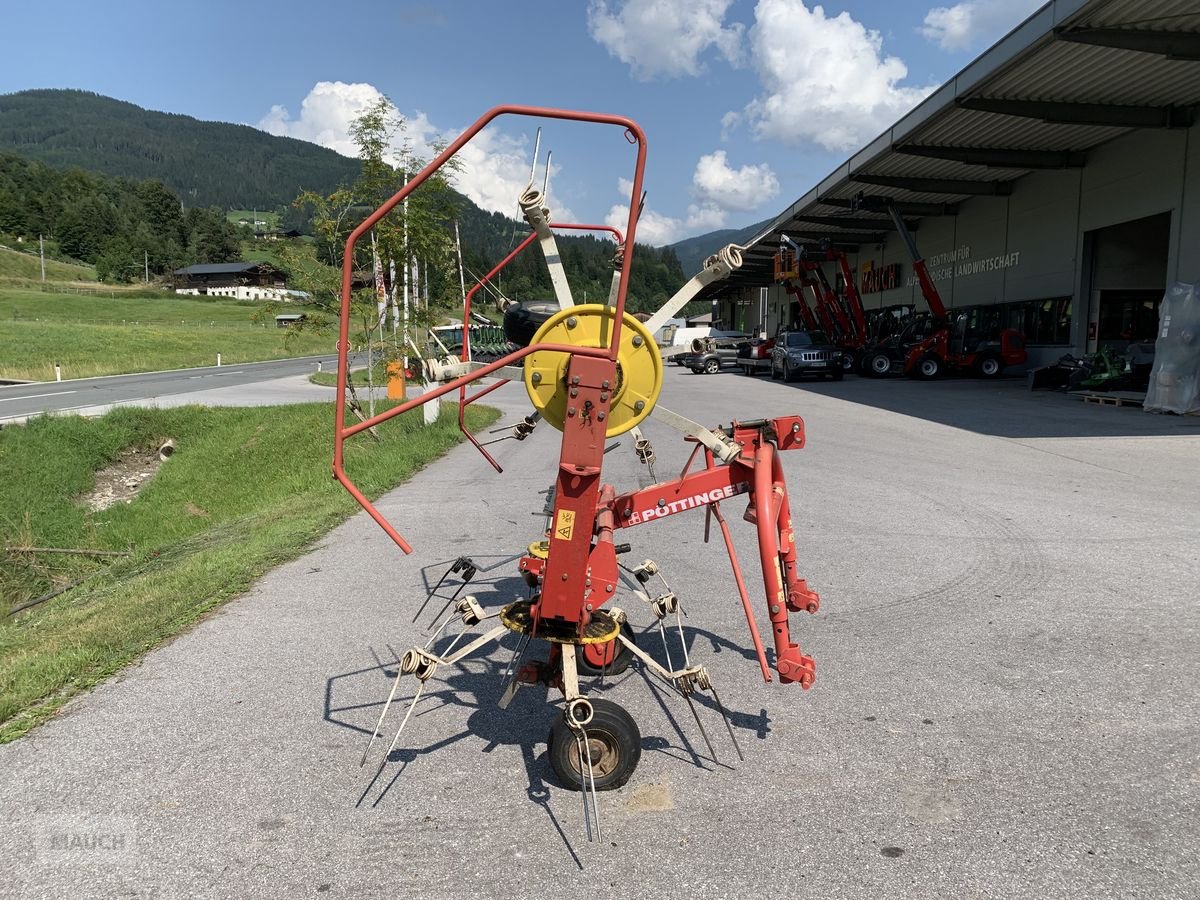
[(1073, 76)]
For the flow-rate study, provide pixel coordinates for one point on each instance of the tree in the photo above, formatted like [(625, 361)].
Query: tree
[(419, 232)]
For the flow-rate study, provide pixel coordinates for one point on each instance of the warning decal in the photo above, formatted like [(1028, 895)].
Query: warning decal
[(564, 525)]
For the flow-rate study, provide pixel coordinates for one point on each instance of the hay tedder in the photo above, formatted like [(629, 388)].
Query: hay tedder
[(593, 371)]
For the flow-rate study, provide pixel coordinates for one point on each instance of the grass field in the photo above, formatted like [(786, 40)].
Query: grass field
[(245, 490), (27, 267), (91, 336)]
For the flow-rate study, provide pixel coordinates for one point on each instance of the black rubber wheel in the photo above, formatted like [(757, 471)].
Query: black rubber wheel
[(988, 366), (837, 374), (927, 368), (774, 372), (789, 374), (589, 658), (614, 745), (878, 364), (712, 366)]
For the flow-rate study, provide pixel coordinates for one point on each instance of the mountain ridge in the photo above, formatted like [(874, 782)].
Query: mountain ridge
[(205, 163)]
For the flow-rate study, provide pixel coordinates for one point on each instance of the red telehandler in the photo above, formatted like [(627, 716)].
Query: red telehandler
[(931, 344)]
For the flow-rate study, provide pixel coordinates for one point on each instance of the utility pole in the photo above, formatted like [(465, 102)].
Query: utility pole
[(146, 256), (42, 256)]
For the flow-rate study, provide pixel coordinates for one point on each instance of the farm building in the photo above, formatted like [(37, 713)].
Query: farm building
[(239, 280), (1052, 186)]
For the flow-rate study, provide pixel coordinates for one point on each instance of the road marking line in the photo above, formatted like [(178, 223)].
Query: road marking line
[(36, 396)]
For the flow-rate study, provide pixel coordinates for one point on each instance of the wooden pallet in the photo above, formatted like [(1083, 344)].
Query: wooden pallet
[(1116, 398)]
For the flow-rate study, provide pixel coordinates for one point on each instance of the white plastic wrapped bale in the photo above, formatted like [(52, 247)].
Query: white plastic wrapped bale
[(1175, 379)]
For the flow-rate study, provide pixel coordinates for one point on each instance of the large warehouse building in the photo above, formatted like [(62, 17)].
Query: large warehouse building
[(1054, 183)]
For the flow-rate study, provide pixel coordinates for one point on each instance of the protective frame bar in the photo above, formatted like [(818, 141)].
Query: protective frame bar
[(633, 133)]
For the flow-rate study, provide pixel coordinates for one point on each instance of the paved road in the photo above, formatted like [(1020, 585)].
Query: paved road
[(1005, 703), (20, 401)]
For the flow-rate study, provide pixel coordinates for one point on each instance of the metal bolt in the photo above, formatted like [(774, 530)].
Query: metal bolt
[(565, 578), (639, 406), (795, 427), (537, 377), (661, 502), (588, 607), (600, 416), (604, 395), (627, 512), (575, 380), (608, 588), (572, 322), (637, 340), (574, 392), (774, 606), (571, 411), (604, 384)]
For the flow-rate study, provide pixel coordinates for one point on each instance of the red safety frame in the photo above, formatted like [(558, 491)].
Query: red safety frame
[(604, 356)]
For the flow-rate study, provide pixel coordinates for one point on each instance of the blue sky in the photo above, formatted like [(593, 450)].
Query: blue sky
[(745, 104)]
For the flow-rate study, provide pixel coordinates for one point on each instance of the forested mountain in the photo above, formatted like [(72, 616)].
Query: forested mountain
[(112, 223), (204, 163), (693, 251), (106, 180)]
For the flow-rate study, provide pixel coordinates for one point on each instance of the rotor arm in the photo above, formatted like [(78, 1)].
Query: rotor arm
[(716, 267)]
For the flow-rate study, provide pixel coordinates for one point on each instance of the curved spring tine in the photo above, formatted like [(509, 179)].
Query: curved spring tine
[(699, 724), (379, 724), (728, 724), (396, 739)]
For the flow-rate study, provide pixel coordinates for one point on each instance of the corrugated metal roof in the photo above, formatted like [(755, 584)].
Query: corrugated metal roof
[(1035, 62)]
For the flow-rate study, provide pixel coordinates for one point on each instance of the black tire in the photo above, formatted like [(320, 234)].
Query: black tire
[(775, 376), (614, 744), (589, 669), (877, 364), (928, 368), (989, 366), (712, 366), (837, 374), (789, 374)]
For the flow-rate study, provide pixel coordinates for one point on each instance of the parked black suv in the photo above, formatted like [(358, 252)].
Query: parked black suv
[(798, 353)]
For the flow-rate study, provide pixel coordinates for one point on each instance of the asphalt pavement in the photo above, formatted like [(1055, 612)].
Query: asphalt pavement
[(1005, 703), (94, 395)]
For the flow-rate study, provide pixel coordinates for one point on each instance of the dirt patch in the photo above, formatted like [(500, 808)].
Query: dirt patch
[(650, 798), (121, 481)]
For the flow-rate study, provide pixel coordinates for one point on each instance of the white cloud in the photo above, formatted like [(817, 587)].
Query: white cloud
[(826, 79), (325, 115), (495, 165), (974, 22), (664, 37), (715, 183), (718, 191)]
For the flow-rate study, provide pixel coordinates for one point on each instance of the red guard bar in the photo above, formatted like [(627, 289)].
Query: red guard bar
[(633, 134)]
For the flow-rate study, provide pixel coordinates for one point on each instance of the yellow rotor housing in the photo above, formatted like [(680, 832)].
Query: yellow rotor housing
[(639, 365)]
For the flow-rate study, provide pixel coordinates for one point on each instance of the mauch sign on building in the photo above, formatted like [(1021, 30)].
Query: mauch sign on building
[(874, 281)]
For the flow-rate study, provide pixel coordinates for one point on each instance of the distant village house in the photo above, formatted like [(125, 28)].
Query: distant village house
[(239, 280)]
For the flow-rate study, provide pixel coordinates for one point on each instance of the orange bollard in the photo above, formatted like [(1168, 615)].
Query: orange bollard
[(397, 387)]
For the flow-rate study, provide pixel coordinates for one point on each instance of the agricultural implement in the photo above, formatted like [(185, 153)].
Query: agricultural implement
[(593, 372)]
